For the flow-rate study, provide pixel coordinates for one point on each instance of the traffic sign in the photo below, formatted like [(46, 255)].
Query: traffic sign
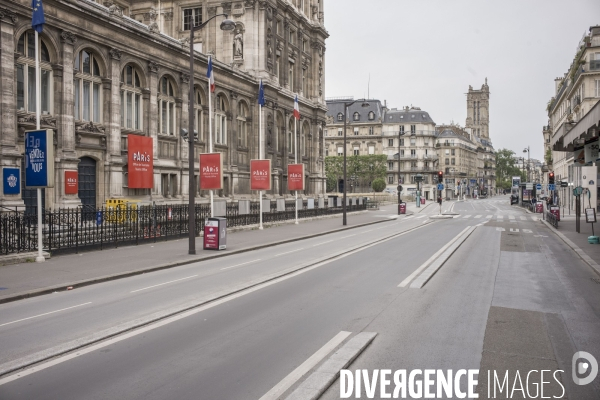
[(564, 184), (529, 186), (440, 186), (551, 187), (538, 186)]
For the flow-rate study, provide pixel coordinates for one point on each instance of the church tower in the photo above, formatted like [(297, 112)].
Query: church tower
[(478, 111)]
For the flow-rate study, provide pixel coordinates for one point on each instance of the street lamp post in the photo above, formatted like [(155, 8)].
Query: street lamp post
[(526, 150), (346, 105), (226, 25)]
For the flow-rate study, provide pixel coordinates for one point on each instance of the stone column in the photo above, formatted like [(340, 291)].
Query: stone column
[(113, 164), (151, 120), (9, 154), (64, 101)]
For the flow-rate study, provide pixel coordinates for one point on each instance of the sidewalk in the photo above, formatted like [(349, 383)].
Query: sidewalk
[(579, 241), (23, 280)]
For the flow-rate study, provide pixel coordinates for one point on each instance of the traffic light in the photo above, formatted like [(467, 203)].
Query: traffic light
[(551, 178), (440, 177), (457, 183)]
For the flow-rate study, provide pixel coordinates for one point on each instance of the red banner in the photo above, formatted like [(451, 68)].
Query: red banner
[(211, 171), (140, 165), (260, 174), (71, 182), (295, 177)]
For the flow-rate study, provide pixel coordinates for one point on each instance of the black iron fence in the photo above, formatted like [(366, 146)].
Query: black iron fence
[(77, 229), (551, 219)]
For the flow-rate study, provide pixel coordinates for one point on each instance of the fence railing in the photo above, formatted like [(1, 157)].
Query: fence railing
[(77, 229), (551, 219)]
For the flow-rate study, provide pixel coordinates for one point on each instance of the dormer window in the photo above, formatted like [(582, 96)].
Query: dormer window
[(371, 116), (340, 117), (356, 116)]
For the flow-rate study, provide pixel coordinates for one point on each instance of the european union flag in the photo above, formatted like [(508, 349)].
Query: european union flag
[(261, 94), (37, 18)]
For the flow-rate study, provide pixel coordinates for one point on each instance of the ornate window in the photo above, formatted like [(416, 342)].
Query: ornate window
[(371, 115), (199, 115), (87, 88), (340, 117), (25, 70), (356, 116), (291, 76), (221, 120), (280, 134), (166, 107), (291, 138), (131, 99), (242, 125), (191, 17)]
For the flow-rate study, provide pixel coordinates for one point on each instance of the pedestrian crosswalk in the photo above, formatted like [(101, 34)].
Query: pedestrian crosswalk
[(499, 217)]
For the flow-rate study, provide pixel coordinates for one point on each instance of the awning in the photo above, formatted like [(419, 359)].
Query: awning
[(584, 130)]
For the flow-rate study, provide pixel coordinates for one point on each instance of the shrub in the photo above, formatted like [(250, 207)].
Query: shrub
[(378, 185)]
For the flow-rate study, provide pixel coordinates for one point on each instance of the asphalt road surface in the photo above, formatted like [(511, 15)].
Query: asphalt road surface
[(511, 297)]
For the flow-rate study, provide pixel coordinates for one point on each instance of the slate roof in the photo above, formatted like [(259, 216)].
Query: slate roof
[(410, 116), (334, 107)]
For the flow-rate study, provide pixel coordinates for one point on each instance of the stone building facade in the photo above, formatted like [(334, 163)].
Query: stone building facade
[(115, 68), (458, 159), (478, 111)]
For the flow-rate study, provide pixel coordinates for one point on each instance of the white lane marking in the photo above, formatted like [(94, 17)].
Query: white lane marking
[(370, 230), (421, 216), (514, 229), (278, 390), (288, 252), (239, 265), (511, 217), (344, 237), (48, 313), (430, 260), (499, 229), (477, 216), (467, 216), (165, 283), (174, 318), (500, 216), (527, 231), (319, 244), (523, 218), (488, 216), (409, 217), (534, 218)]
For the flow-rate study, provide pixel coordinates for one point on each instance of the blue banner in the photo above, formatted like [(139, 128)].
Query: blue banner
[(39, 159), (12, 180), (98, 217)]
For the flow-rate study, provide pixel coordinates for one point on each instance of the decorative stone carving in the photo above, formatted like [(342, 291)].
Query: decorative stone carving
[(115, 11), (68, 37), (168, 15), (249, 3), (89, 127), (269, 134), (293, 54), (30, 119), (269, 13), (286, 24), (152, 67), (153, 25), (6, 13), (305, 62), (238, 45), (279, 45), (185, 78), (212, 11), (226, 8), (315, 11), (233, 95), (185, 42), (238, 10), (229, 115), (115, 54)]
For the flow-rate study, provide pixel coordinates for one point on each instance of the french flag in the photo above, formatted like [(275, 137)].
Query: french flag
[(296, 109), (210, 76)]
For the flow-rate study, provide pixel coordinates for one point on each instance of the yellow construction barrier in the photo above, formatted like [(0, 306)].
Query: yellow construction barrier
[(117, 210)]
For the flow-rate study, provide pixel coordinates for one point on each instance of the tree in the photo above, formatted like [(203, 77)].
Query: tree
[(378, 185), (548, 156), (506, 168), (365, 169)]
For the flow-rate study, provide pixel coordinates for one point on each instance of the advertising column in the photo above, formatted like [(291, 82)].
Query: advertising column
[(260, 178), (211, 173)]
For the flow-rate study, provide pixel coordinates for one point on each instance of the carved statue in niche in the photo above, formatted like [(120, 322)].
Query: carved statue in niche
[(238, 44), (269, 134), (153, 25)]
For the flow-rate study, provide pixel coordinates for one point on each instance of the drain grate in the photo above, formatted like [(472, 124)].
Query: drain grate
[(597, 280)]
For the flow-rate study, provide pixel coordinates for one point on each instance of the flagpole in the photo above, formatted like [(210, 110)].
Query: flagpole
[(260, 156), (38, 107), (296, 161), (210, 146)]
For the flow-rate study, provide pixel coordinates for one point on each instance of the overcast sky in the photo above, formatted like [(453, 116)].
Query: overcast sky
[(426, 53)]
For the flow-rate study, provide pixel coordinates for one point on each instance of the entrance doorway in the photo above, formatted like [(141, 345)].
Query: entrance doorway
[(87, 183)]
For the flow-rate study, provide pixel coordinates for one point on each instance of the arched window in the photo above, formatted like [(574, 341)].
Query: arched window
[(303, 139), (199, 115), (371, 115), (291, 137), (280, 134), (166, 107), (87, 85), (25, 70), (242, 125), (221, 120), (340, 117), (131, 99), (356, 116)]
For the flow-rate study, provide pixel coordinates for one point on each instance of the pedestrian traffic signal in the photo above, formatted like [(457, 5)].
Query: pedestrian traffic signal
[(440, 177), (551, 178)]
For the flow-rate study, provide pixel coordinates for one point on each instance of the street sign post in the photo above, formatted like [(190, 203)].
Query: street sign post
[(440, 186), (564, 184), (551, 187), (538, 186)]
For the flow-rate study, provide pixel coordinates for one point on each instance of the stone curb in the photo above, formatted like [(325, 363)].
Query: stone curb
[(587, 259), (19, 258), (127, 274)]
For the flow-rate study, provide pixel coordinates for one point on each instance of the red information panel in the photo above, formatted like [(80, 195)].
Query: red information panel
[(260, 174), (295, 177), (211, 171), (71, 182), (140, 165)]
